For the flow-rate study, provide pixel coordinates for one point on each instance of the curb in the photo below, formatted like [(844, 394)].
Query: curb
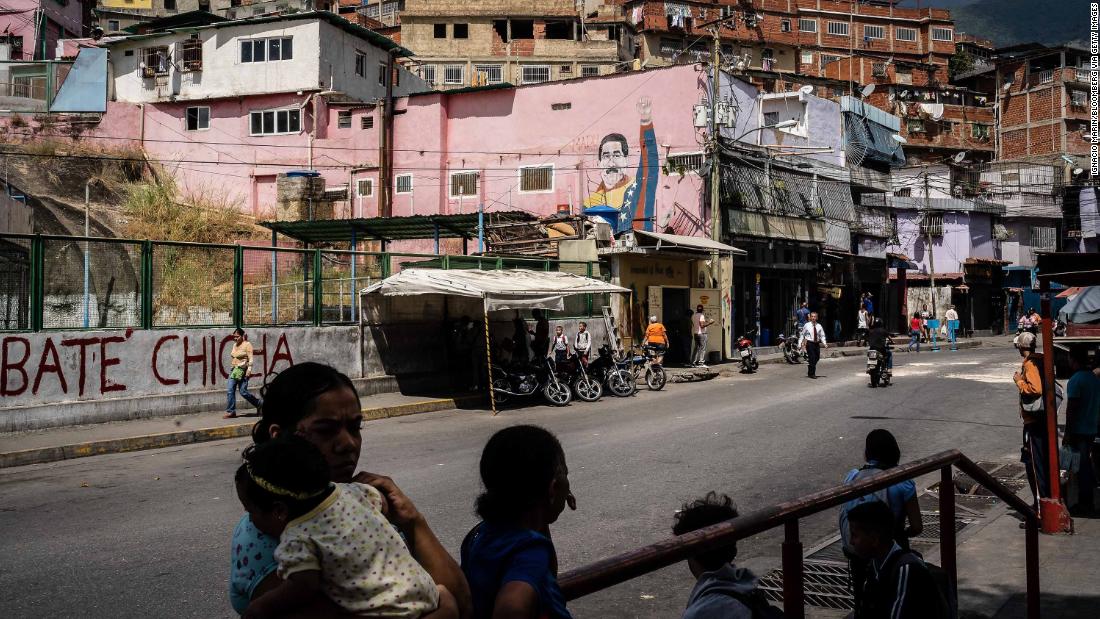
[(776, 358), (44, 455)]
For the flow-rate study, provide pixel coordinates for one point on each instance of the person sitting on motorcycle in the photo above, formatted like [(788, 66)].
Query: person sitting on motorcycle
[(878, 339), (656, 339)]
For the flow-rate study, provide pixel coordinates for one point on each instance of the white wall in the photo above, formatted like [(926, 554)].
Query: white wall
[(337, 63)]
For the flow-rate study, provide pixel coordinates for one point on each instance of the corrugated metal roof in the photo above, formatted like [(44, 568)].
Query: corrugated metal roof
[(870, 112)]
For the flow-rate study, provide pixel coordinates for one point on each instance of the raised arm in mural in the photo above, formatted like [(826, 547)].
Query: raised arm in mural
[(633, 197)]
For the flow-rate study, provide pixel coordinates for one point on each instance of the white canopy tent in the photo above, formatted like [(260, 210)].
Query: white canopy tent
[(514, 289), (499, 290)]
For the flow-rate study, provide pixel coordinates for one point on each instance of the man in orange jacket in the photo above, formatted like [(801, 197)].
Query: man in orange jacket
[(1033, 453)]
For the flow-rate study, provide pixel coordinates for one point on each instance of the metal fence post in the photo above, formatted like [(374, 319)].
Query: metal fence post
[(947, 527), (238, 286), (318, 317), (38, 293), (794, 606), (147, 285), (385, 265)]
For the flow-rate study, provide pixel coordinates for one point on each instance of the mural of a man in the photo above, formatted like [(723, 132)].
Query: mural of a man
[(634, 198)]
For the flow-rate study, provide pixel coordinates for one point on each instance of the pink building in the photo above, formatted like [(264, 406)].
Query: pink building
[(30, 29), (625, 141)]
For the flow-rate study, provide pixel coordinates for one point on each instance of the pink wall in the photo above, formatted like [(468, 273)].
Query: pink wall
[(21, 17)]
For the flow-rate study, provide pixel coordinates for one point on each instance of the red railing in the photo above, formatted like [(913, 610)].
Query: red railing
[(621, 568)]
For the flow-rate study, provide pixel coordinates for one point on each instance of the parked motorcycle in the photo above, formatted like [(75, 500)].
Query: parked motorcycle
[(749, 363), (615, 375), (525, 380), (641, 365), (789, 347), (876, 368), (572, 372)]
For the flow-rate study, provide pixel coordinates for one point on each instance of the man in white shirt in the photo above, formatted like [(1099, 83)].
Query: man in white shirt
[(813, 340), (699, 324), (951, 315)]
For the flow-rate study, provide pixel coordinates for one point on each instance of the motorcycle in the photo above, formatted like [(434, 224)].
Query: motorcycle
[(526, 380), (640, 364), (876, 368), (572, 372), (749, 364), (789, 347), (615, 375)]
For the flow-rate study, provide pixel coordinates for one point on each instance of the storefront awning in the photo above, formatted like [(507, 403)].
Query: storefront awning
[(500, 290), (660, 240)]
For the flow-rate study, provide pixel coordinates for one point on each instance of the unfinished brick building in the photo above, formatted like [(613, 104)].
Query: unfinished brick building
[(459, 43)]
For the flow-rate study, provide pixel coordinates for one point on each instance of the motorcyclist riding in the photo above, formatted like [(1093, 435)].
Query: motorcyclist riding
[(878, 339)]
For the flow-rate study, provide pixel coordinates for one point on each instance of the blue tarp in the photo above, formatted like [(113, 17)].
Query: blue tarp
[(85, 87)]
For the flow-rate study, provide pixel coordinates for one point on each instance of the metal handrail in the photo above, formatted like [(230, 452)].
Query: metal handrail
[(622, 567)]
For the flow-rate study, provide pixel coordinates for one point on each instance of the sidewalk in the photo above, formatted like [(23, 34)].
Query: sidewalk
[(771, 354), (51, 445)]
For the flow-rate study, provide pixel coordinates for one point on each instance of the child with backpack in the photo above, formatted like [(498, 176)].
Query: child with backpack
[(334, 539), (722, 590)]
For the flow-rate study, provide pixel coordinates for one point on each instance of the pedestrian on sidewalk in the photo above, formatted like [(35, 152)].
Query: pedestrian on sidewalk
[(320, 404), (284, 486), (802, 316), (899, 584), (541, 344), (862, 319), (240, 359), (915, 327), (1029, 382), (949, 316), (582, 343), (869, 304), (813, 340), (722, 590), (1082, 418), (560, 345), (699, 323), (880, 453), (509, 558), (925, 316)]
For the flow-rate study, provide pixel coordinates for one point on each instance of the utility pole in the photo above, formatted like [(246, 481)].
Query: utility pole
[(715, 179), (928, 237)]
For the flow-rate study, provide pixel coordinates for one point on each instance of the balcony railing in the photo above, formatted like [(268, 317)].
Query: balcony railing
[(623, 567)]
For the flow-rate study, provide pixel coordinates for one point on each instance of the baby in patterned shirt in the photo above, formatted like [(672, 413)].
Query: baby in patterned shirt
[(334, 540)]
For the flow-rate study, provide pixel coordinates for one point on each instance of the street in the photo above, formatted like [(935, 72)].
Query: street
[(147, 534)]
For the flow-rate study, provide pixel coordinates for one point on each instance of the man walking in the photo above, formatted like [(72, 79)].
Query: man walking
[(699, 324), (802, 315), (813, 340), (1082, 417), (1029, 381), (952, 318)]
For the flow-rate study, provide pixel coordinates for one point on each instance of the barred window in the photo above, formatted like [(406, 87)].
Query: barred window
[(590, 71), (489, 73), (838, 28), (874, 32), (366, 122), (365, 187), (905, 34), (932, 224), (807, 25), (942, 34), (454, 74), (915, 126), (684, 163), (536, 74), (827, 58), (1044, 238), (343, 119), (427, 73), (536, 179), (403, 183), (463, 184)]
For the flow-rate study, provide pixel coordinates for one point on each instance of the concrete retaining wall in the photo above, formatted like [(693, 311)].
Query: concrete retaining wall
[(116, 375)]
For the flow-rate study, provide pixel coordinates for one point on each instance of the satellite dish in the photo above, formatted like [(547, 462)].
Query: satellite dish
[(1006, 86), (959, 156), (806, 90), (1077, 171), (899, 138), (890, 97), (867, 90)]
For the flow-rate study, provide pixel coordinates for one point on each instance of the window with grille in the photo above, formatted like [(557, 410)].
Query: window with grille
[(892, 227), (1044, 238), (565, 70), (275, 122), (915, 126), (590, 71), (931, 224), (771, 119), (198, 118), (670, 47), (536, 74), (807, 58), (878, 69), (454, 74), (343, 119), (364, 187), (157, 60), (685, 162), (490, 73), (838, 28), (807, 25), (874, 32), (942, 34), (536, 179), (427, 73), (1078, 98), (403, 183), (905, 34), (784, 25), (366, 122), (979, 131), (463, 184), (827, 58), (360, 64), (903, 192), (192, 53)]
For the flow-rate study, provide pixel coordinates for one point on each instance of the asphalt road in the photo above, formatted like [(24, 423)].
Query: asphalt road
[(147, 534)]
